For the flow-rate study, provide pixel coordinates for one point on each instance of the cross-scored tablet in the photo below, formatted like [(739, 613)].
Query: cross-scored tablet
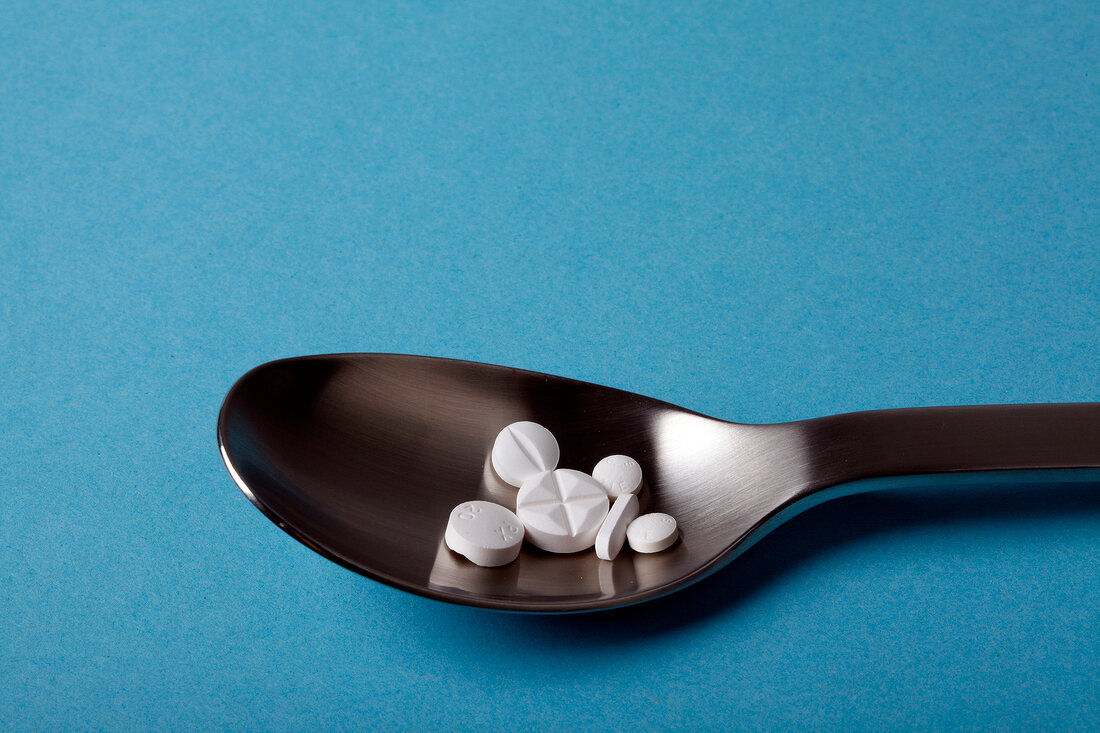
[(522, 450), (562, 510)]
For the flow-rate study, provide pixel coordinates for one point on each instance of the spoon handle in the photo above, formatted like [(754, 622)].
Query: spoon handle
[(938, 440)]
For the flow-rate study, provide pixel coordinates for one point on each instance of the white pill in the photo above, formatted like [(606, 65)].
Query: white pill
[(522, 450), (651, 532), (613, 532), (562, 510), (619, 475), (486, 533)]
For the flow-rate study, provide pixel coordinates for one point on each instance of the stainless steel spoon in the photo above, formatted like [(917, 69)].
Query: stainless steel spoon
[(361, 457)]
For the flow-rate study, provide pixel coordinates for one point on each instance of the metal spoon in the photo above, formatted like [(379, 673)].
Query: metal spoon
[(361, 457)]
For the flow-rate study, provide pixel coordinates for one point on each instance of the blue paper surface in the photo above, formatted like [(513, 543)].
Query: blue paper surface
[(760, 211)]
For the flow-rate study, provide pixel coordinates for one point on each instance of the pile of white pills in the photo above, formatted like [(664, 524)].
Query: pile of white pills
[(557, 509)]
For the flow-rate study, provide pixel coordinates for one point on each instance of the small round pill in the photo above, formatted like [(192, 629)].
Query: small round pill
[(485, 533), (612, 534), (522, 450), (651, 532), (619, 475), (562, 510)]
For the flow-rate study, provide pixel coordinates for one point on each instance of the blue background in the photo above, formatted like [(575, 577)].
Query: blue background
[(760, 210)]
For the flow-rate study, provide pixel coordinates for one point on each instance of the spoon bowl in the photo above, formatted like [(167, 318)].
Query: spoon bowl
[(362, 457)]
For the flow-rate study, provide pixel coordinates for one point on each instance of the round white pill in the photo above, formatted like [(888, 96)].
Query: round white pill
[(613, 532), (486, 533), (522, 450), (651, 532), (562, 510), (619, 475)]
